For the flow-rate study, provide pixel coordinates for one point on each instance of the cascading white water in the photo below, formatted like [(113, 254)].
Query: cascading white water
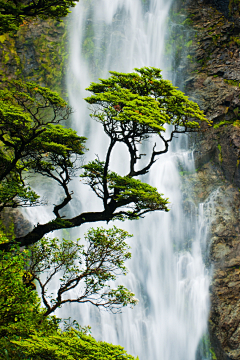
[(168, 276), (167, 271)]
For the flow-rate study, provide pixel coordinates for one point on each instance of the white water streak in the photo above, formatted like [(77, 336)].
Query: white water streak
[(170, 281), (167, 272)]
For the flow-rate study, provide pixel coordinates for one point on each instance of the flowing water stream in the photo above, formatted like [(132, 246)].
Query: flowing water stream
[(167, 272)]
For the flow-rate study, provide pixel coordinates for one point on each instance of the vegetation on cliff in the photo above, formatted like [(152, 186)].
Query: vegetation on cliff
[(212, 77), (13, 13)]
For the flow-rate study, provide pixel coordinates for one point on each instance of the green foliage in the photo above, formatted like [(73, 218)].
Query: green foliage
[(12, 13), (233, 122), (236, 123), (8, 23), (85, 268), (220, 153), (32, 139), (20, 312), (70, 345), (25, 331), (222, 123), (137, 195), (18, 305), (131, 107), (143, 101), (13, 193), (232, 82)]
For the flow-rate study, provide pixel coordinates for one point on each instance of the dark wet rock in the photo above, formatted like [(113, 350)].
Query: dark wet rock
[(212, 78), (21, 225), (210, 186), (36, 53)]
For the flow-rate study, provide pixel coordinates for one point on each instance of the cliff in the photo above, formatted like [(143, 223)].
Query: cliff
[(212, 78), (37, 52)]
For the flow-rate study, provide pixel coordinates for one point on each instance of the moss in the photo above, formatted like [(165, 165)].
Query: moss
[(220, 153), (234, 7), (37, 52), (222, 123), (187, 22), (213, 354), (2, 38), (235, 40), (237, 123), (189, 43), (6, 58), (232, 82)]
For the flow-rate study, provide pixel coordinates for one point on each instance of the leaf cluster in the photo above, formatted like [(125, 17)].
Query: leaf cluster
[(70, 345), (25, 330), (13, 13), (20, 312), (32, 140), (85, 268), (123, 191), (141, 103)]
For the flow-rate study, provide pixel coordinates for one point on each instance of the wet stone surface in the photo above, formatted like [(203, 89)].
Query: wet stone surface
[(222, 208), (213, 79)]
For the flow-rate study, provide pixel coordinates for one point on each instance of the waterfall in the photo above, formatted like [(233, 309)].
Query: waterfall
[(167, 271)]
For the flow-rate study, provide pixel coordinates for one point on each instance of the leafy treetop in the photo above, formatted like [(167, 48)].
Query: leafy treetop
[(134, 106)]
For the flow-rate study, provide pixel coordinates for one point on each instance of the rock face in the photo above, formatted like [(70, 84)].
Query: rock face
[(221, 5), (37, 52), (221, 202), (212, 78)]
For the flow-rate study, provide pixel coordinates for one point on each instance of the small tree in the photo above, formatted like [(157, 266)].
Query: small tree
[(86, 269), (131, 108)]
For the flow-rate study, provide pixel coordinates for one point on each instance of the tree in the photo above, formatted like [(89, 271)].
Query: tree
[(14, 12), (131, 108), (84, 269), (26, 331), (32, 140)]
